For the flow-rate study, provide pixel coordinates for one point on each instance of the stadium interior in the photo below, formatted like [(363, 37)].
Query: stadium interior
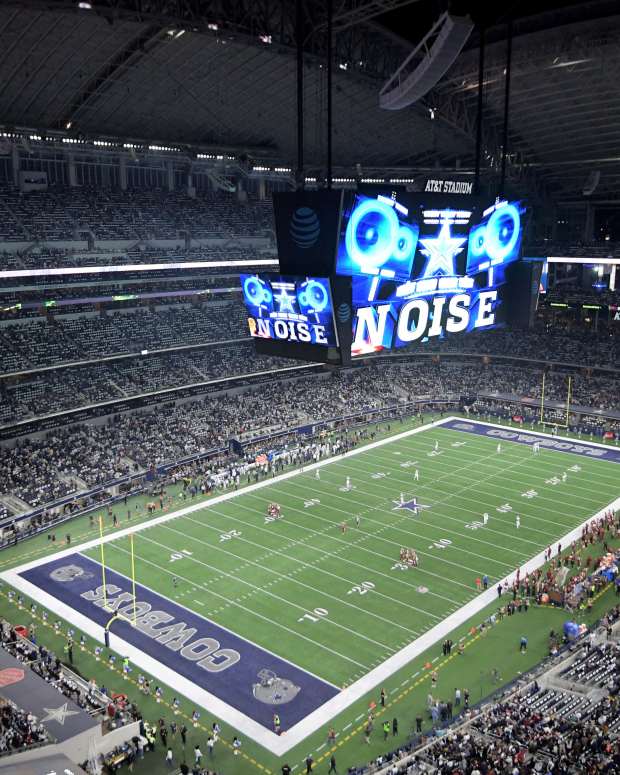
[(389, 511)]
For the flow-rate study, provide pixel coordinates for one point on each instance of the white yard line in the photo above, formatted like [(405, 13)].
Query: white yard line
[(476, 513), (454, 494), (483, 461), (263, 590), (279, 745), (288, 576)]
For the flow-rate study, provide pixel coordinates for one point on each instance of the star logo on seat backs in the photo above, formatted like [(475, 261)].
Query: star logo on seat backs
[(410, 505), (441, 251)]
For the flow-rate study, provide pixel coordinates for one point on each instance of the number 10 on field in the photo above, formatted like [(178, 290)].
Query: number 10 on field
[(314, 616)]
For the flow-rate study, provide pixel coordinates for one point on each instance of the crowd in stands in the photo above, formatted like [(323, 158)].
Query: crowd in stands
[(61, 339), (19, 730), (39, 343), (47, 256), (576, 248), (571, 347), (112, 214), (48, 392), (538, 727), (70, 459), (575, 295), (50, 668)]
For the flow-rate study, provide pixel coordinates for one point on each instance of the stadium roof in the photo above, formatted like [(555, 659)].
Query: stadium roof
[(171, 71)]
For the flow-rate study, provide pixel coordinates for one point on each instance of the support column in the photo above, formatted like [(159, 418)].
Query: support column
[(299, 23), (479, 112), (15, 163), (71, 170), (329, 90), (502, 183), (170, 176), (122, 173), (242, 195), (190, 188), (588, 226)]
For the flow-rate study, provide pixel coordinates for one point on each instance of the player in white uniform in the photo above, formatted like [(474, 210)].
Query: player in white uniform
[(317, 474), (564, 476), (348, 484), (402, 499), (485, 518), (416, 475), (436, 446), (499, 448), (518, 522)]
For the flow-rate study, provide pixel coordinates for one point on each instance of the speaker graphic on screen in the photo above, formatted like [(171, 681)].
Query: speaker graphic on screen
[(305, 227), (497, 239), (379, 238)]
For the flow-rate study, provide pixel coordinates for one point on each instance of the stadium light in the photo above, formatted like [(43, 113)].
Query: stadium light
[(583, 260), (106, 268)]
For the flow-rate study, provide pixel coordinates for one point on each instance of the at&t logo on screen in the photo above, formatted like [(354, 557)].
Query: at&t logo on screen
[(305, 228)]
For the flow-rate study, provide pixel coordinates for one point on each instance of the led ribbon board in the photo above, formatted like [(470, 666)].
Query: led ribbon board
[(289, 308), (426, 266)]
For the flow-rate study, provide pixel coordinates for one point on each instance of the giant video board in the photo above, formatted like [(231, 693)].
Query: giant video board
[(400, 267), (426, 265)]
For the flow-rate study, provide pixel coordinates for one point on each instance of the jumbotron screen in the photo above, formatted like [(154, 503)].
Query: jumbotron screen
[(404, 267), (289, 308), (427, 265)]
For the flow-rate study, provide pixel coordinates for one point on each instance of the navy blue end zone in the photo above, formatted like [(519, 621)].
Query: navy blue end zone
[(211, 657), (575, 447)]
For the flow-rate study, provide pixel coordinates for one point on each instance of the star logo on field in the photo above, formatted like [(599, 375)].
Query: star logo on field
[(410, 505), (59, 714), (441, 251)]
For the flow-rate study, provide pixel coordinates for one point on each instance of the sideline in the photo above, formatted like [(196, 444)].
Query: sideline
[(279, 745)]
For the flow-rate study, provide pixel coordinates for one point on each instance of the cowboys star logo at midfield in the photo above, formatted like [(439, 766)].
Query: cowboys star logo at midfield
[(410, 505)]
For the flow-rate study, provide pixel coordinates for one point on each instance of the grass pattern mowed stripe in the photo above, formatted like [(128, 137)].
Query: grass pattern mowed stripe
[(272, 582)]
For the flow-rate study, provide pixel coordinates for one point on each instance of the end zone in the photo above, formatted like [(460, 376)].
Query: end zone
[(319, 701)]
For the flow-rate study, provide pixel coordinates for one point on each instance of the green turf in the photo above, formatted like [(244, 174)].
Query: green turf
[(498, 650), (310, 563), (267, 580)]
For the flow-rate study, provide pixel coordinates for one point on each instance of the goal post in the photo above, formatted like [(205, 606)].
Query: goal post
[(115, 614), (557, 416)]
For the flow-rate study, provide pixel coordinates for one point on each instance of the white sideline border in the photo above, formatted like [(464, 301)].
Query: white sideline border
[(275, 744)]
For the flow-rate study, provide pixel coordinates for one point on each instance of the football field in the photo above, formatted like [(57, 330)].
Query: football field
[(287, 613)]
